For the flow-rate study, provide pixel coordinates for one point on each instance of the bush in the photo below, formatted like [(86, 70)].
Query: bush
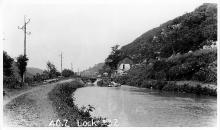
[(103, 82), (160, 84), (67, 73), (187, 88), (160, 65), (11, 82), (155, 84), (161, 75), (146, 84), (121, 79), (100, 83), (189, 66), (205, 76), (170, 86)]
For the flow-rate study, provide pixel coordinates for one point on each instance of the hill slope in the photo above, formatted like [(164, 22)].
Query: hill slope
[(180, 55), (31, 71), (93, 70), (190, 31), (34, 71)]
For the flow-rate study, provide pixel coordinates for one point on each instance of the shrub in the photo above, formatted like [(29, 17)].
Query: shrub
[(146, 84), (11, 82), (159, 84), (100, 83), (103, 82), (161, 75), (155, 84), (121, 79), (160, 65), (67, 73), (205, 76), (170, 86)]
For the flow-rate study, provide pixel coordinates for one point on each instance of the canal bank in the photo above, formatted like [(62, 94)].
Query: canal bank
[(69, 114), (193, 87), (183, 87)]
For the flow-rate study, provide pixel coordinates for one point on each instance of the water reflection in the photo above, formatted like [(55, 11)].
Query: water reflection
[(132, 106)]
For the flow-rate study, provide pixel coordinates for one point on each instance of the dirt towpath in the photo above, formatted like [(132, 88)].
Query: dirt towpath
[(30, 108)]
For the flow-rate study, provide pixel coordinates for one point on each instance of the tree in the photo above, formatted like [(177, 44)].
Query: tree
[(114, 57), (52, 71), (45, 74), (105, 69), (67, 73), (22, 65), (7, 64)]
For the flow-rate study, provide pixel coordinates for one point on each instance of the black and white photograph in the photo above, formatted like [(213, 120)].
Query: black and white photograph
[(109, 63)]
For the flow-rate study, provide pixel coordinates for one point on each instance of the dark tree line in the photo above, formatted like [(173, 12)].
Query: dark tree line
[(8, 69), (13, 70), (112, 60), (7, 64), (22, 65)]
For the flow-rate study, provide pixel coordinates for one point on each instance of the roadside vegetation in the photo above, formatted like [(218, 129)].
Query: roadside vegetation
[(10, 79), (14, 82), (15, 69), (63, 102)]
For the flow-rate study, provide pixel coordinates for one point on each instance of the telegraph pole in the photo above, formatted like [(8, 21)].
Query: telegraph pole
[(24, 28), (71, 66), (78, 72), (61, 56)]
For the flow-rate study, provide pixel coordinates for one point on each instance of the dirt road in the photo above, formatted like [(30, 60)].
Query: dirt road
[(30, 108)]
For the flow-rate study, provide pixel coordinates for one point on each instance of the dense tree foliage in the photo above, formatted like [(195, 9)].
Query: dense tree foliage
[(175, 50), (51, 69), (13, 72), (106, 69), (67, 73), (22, 65), (188, 32), (7, 64), (113, 59), (198, 66), (9, 79)]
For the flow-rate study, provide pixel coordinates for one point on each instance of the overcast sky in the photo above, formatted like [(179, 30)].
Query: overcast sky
[(83, 30)]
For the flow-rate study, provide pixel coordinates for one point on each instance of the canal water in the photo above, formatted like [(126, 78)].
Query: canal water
[(132, 106)]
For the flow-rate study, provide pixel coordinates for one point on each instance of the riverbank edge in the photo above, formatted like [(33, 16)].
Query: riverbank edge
[(63, 103), (183, 87), (180, 87)]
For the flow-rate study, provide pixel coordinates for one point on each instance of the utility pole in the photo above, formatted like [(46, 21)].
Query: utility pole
[(78, 72), (61, 56), (24, 28), (71, 66)]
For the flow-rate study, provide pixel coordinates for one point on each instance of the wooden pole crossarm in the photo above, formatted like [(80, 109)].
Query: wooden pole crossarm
[(27, 21)]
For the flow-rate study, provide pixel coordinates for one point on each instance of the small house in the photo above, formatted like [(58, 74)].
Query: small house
[(124, 65)]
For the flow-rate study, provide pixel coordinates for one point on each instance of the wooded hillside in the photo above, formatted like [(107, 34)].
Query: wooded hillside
[(190, 31)]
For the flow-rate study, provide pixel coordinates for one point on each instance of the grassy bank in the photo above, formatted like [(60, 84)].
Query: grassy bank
[(61, 96), (183, 87), (194, 87)]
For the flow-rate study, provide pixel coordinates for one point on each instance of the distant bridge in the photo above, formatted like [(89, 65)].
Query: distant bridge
[(88, 78)]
